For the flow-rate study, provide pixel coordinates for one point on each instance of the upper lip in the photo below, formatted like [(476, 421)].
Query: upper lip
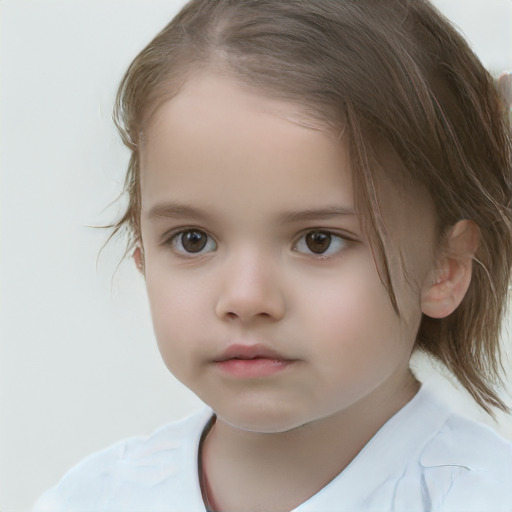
[(254, 351)]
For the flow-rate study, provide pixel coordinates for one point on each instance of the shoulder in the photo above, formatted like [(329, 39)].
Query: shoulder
[(467, 443), (467, 466), (120, 476)]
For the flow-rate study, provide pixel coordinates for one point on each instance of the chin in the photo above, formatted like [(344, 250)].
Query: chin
[(273, 420)]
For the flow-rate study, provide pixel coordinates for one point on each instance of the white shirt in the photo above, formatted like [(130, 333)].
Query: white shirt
[(423, 459)]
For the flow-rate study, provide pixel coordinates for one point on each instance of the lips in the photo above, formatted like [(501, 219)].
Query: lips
[(251, 361), (245, 352)]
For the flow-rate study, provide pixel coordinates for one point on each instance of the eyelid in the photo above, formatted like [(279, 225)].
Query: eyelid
[(335, 234), (169, 234), (169, 238)]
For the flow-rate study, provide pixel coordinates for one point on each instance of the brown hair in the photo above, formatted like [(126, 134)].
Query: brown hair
[(387, 70)]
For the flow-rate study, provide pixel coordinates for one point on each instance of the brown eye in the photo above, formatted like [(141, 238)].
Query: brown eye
[(318, 241), (193, 241)]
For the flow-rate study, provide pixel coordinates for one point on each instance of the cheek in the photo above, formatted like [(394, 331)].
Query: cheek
[(175, 296), (353, 318), (350, 301), (175, 307)]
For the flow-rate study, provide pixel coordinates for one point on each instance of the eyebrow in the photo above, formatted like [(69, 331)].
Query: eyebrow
[(315, 214), (181, 211), (176, 211)]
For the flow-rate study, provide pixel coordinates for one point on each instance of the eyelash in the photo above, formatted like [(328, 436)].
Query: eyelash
[(341, 242), (177, 238), (300, 245)]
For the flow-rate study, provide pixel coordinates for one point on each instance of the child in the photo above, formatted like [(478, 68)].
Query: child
[(318, 188)]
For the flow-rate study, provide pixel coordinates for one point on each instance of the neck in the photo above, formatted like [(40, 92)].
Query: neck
[(275, 472)]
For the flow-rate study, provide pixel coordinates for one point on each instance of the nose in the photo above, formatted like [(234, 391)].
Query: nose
[(250, 290)]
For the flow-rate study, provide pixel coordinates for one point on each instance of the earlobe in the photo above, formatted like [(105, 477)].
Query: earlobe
[(138, 257), (448, 283)]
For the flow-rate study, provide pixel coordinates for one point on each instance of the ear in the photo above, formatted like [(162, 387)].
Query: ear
[(449, 281), (138, 257)]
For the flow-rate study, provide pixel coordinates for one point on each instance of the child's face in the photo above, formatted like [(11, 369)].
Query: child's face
[(252, 250)]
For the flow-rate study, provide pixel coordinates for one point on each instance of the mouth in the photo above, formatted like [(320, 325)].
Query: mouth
[(249, 352), (251, 361)]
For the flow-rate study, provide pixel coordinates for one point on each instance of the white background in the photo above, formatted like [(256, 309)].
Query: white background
[(79, 368)]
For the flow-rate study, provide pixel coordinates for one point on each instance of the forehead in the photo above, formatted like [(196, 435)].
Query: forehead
[(218, 131), (213, 101)]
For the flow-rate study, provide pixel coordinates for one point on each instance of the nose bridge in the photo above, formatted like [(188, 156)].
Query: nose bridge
[(251, 286)]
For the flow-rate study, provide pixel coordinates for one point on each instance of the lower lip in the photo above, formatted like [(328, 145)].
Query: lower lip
[(252, 368)]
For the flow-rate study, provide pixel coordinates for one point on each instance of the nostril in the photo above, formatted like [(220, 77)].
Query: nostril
[(243, 300), (236, 316)]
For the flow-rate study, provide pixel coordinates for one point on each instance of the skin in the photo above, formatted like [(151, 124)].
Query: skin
[(255, 179)]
